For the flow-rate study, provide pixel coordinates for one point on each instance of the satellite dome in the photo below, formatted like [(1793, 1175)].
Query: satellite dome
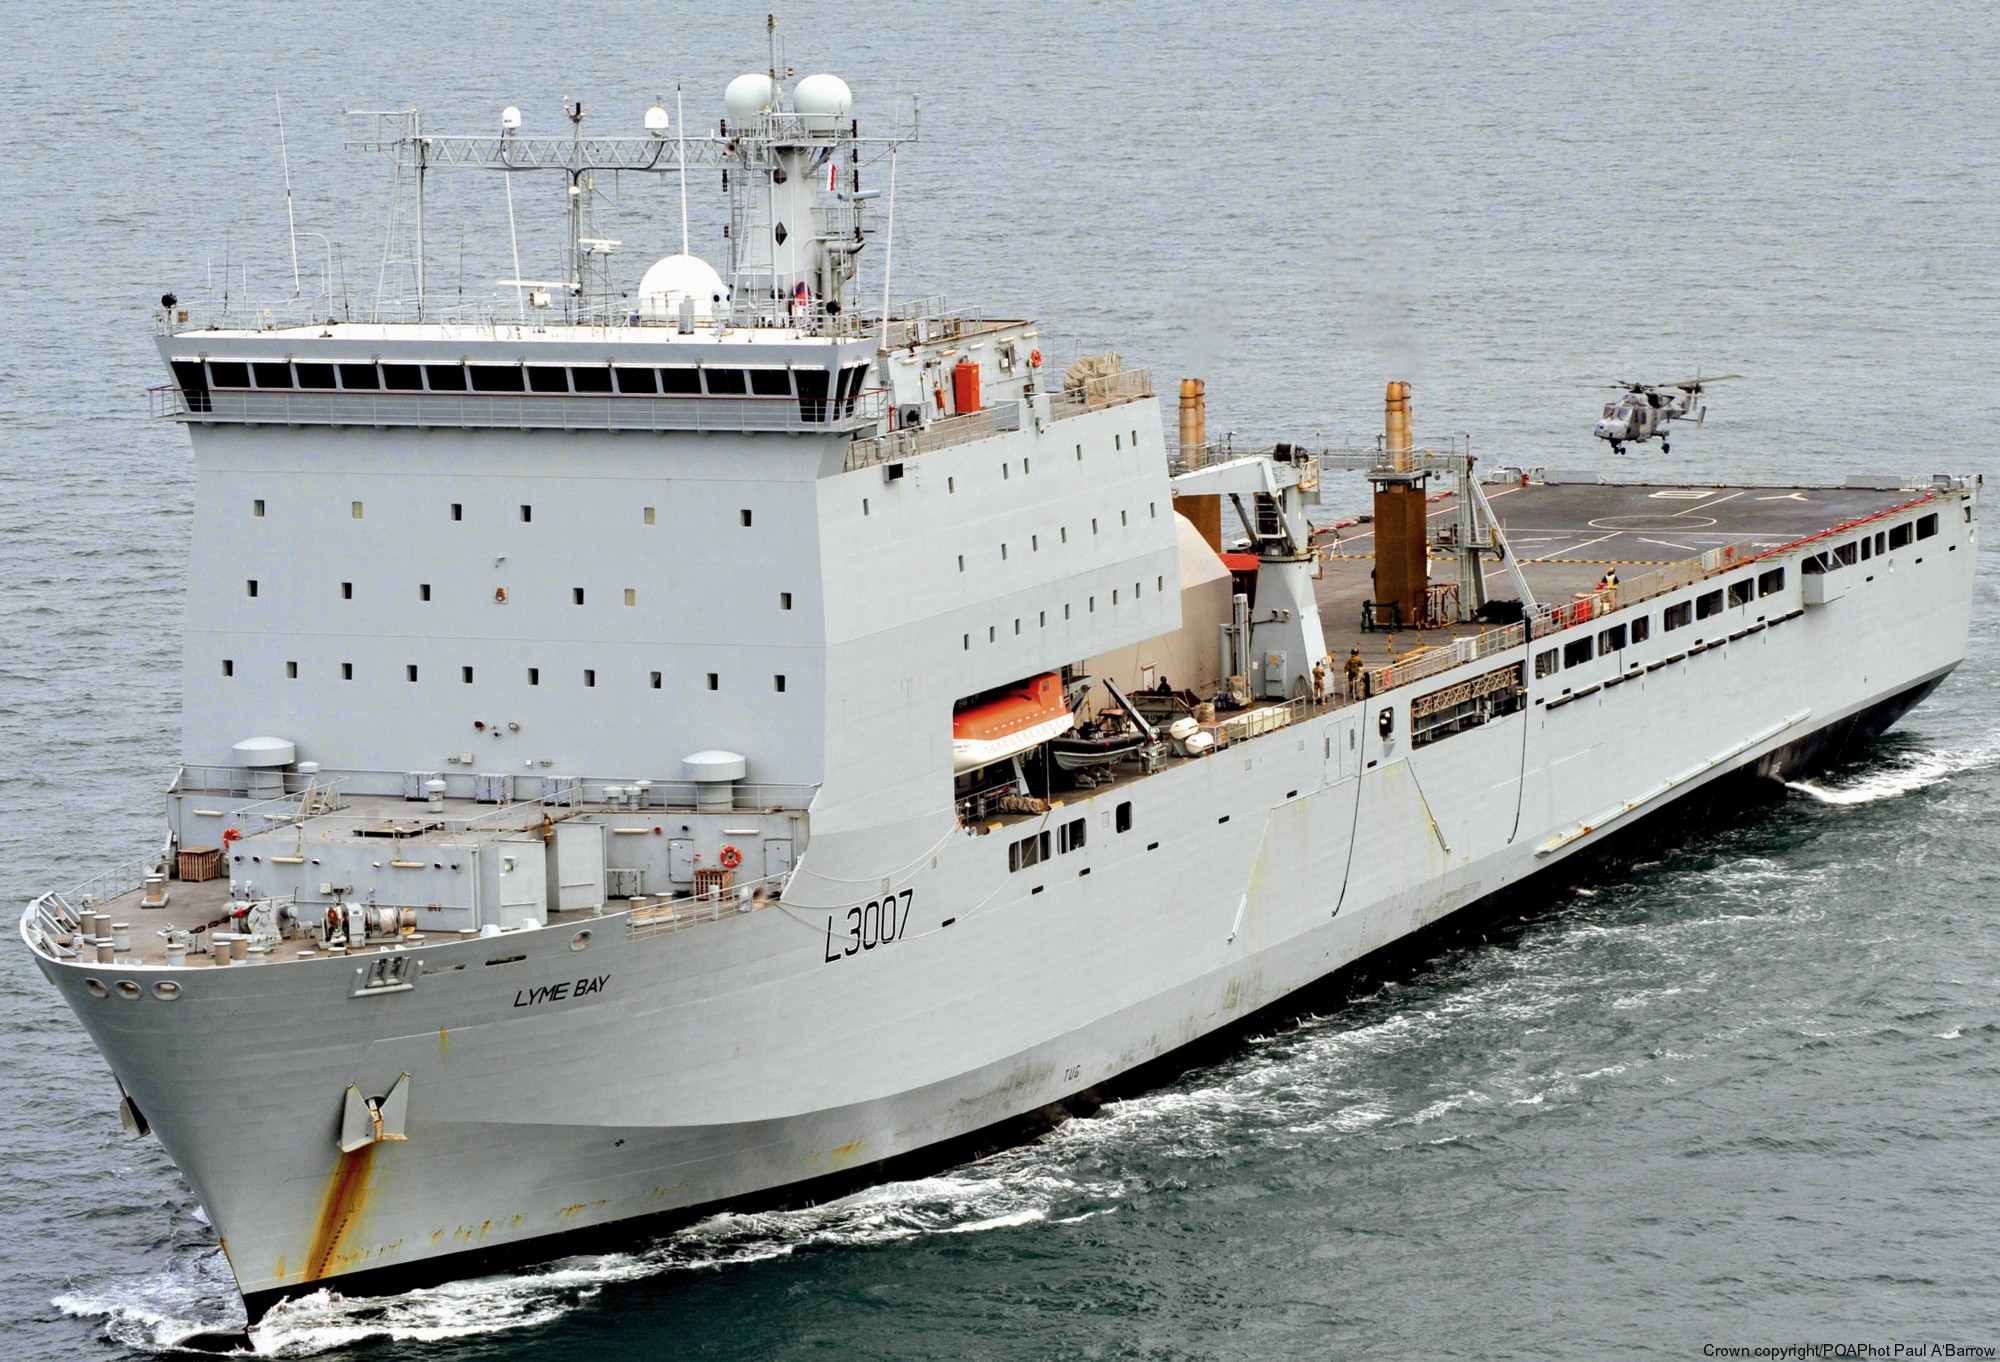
[(823, 101), (656, 121), (747, 96), (674, 278)]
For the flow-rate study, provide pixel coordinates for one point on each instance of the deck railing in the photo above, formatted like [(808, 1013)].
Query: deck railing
[(521, 411)]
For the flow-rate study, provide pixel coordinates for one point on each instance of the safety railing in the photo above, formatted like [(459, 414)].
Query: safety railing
[(1095, 394), (520, 411), (952, 430)]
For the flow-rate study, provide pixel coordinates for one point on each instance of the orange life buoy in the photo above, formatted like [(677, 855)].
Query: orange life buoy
[(1035, 359), (731, 858)]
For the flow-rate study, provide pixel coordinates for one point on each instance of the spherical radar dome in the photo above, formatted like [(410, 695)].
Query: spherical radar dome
[(677, 277), (747, 96), (823, 101)]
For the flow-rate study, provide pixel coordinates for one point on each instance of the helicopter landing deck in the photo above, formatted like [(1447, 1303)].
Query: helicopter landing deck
[(1568, 536)]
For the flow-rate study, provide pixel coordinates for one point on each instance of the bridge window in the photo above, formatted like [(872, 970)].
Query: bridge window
[(548, 378), (637, 381), (770, 382), (193, 383), (497, 378), (403, 378), (445, 378), (359, 377), (318, 377), (272, 375), (228, 373), (591, 379), (681, 381), (725, 382)]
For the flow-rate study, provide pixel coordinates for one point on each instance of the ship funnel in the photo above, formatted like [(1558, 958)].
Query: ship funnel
[(1204, 512), (1402, 559)]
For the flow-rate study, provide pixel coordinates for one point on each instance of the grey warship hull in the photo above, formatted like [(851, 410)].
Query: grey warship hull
[(569, 838)]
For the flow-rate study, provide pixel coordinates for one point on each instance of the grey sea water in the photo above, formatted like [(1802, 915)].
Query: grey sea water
[(1742, 1095)]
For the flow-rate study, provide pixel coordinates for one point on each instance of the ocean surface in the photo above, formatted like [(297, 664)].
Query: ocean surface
[(1744, 1094)]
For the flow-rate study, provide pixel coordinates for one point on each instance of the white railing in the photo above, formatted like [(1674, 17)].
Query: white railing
[(520, 411), (1095, 394), (951, 430)]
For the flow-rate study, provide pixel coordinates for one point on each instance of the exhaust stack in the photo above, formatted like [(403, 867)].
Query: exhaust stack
[(1202, 512), (1402, 560)]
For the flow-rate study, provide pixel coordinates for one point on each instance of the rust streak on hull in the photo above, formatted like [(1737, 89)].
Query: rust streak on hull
[(346, 1197)]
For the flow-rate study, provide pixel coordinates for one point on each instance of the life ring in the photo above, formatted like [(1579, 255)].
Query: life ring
[(230, 835), (1034, 359), (730, 858)]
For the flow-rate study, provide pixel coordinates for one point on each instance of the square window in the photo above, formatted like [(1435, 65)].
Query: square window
[(745, 513), (250, 587), (423, 591), (1577, 653), (410, 672), (649, 516), (1125, 816), (631, 596), (576, 595), (291, 671), (1675, 616), (527, 514), (257, 506), (1546, 664), (534, 676), (656, 680), (1642, 629), (1612, 639), (347, 591), (354, 509), (1927, 526), (228, 667), (1770, 582), (784, 600), (590, 676), (1900, 535), (458, 510), (714, 681), (465, 675), (347, 671), (1710, 603), (1741, 592), (778, 684)]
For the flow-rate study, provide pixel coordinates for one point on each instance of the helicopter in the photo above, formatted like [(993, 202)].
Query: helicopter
[(1643, 410)]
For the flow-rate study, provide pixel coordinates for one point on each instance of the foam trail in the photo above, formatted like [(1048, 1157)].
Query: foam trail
[(195, 1292), (1904, 775)]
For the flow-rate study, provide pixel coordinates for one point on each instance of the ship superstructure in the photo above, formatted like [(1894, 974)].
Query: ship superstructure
[(722, 740)]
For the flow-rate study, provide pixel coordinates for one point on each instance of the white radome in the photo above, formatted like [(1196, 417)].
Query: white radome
[(823, 102), (656, 121), (676, 277), (747, 96)]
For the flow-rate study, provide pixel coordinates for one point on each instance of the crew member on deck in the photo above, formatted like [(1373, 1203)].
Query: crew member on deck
[(1609, 581), (1354, 673)]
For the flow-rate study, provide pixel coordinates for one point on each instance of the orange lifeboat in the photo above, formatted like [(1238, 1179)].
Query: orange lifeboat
[(997, 725)]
